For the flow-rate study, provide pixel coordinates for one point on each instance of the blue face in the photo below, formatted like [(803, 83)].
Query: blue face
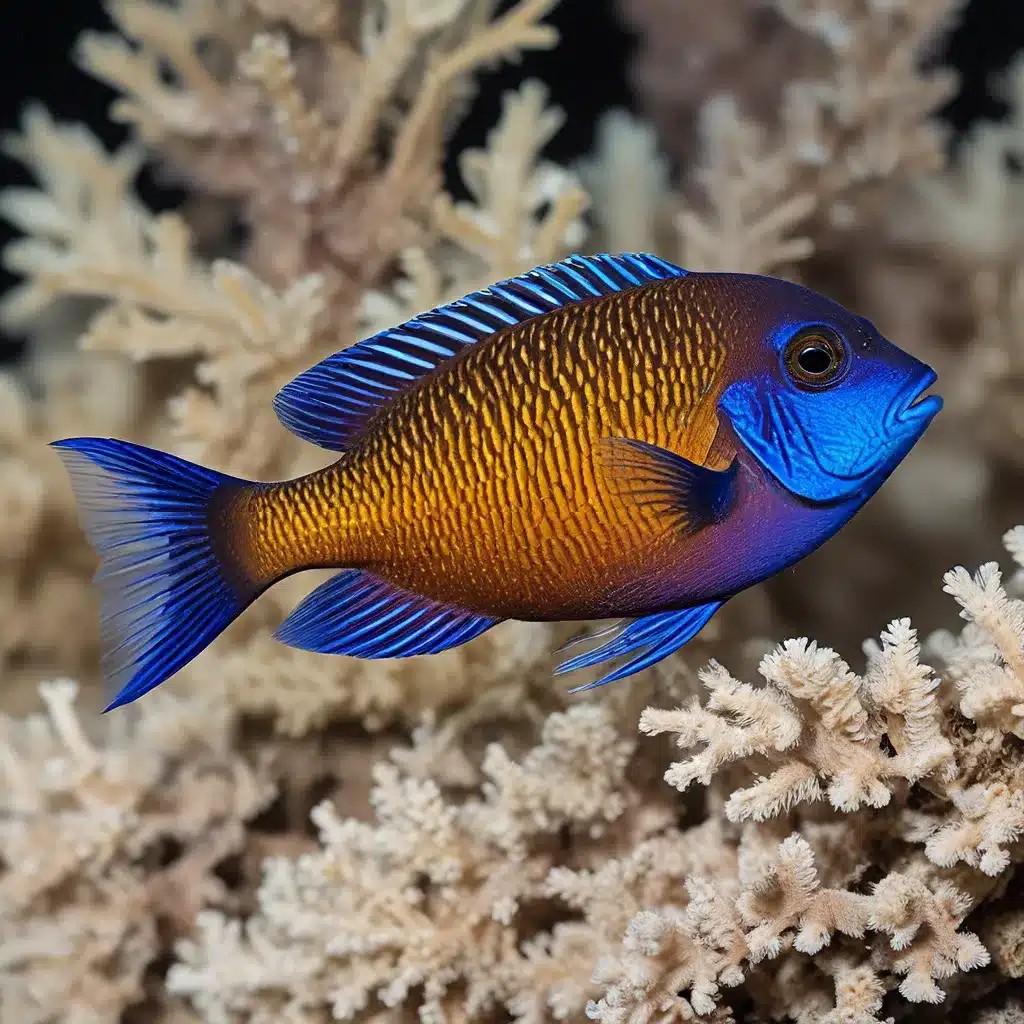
[(829, 406)]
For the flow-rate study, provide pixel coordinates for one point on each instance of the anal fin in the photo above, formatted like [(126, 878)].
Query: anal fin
[(655, 636), (361, 615)]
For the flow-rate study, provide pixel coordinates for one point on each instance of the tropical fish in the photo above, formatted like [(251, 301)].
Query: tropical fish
[(608, 436)]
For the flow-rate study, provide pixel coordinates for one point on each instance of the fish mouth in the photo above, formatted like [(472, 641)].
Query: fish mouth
[(913, 407)]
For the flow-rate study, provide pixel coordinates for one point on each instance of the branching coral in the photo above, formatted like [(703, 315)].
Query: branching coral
[(859, 115), (424, 907), (854, 831), (523, 211), (708, 945), (294, 137), (229, 335), (987, 662), (819, 730), (108, 850), (815, 723), (673, 962)]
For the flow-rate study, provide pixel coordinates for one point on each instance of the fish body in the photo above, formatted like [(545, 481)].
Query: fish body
[(482, 485), (604, 437)]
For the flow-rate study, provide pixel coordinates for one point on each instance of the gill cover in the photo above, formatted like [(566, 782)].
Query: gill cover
[(838, 442)]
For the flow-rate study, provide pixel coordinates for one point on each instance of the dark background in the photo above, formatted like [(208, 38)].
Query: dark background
[(586, 75)]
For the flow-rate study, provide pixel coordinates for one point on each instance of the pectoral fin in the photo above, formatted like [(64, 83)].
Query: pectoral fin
[(691, 495)]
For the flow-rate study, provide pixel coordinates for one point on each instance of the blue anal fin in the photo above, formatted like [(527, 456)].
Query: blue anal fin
[(330, 403), (691, 496), (358, 614), (655, 636)]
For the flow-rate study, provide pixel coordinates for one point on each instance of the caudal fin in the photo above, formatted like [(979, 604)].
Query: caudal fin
[(167, 588)]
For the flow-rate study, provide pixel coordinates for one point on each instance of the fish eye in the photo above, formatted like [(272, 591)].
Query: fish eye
[(815, 357)]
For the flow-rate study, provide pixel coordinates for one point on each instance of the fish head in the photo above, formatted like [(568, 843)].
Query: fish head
[(825, 403)]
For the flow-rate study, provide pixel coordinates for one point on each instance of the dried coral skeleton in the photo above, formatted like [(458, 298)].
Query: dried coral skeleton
[(233, 337), (845, 837), (371, 914)]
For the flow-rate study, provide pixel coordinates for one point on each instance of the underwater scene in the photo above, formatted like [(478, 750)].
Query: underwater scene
[(512, 511)]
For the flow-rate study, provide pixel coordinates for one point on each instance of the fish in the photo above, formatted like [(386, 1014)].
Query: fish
[(605, 437)]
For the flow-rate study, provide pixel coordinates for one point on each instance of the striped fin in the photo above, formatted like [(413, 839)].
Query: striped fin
[(656, 636), (358, 614), (330, 403), (167, 588), (692, 496)]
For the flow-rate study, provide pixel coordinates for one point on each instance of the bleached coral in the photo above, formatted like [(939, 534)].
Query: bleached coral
[(107, 850), (522, 211), (865, 120), (823, 731), (422, 908), (856, 828), (987, 662), (673, 962), (628, 182), (711, 944), (294, 137), (925, 942), (817, 726)]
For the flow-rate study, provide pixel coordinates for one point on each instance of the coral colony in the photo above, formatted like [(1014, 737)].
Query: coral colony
[(750, 831)]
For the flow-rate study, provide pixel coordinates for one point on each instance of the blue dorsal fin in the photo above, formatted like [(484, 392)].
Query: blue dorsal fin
[(359, 614), (329, 403)]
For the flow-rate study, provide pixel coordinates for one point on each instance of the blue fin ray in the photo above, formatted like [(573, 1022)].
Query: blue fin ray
[(358, 614), (330, 403), (583, 638), (165, 593), (655, 636)]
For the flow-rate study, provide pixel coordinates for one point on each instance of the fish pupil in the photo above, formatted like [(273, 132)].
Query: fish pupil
[(815, 359)]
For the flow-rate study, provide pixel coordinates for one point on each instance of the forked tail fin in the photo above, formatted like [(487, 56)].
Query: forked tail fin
[(168, 583)]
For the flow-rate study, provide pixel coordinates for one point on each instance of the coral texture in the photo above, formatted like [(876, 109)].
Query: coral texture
[(803, 831)]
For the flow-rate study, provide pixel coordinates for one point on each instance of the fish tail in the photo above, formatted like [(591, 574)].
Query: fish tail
[(173, 572)]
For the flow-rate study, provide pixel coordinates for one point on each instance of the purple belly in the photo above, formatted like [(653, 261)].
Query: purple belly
[(767, 530)]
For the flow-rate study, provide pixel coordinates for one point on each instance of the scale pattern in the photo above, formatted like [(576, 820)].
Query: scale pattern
[(483, 484)]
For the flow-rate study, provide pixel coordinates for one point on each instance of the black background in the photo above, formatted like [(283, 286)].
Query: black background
[(586, 74)]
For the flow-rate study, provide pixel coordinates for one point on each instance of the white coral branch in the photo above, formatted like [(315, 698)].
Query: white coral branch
[(989, 675), (925, 942), (814, 724)]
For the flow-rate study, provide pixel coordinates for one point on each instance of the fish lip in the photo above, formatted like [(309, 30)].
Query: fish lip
[(913, 406)]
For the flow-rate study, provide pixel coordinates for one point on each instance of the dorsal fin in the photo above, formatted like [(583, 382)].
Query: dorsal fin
[(329, 403)]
